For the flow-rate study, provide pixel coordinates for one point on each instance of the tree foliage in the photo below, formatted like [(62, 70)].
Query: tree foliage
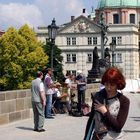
[(57, 60), (21, 55)]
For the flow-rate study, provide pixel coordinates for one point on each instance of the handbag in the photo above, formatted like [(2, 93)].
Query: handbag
[(100, 126)]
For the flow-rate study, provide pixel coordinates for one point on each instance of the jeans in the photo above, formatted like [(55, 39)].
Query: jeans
[(48, 107)]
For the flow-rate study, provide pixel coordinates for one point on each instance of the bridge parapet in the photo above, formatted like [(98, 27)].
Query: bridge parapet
[(16, 105)]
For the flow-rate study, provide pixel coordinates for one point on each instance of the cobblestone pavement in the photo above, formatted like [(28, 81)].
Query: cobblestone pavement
[(65, 127)]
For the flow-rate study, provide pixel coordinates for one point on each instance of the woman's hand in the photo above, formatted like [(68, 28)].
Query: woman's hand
[(100, 107)]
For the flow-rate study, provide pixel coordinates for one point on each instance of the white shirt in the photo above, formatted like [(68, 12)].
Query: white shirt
[(42, 87), (57, 92), (68, 81)]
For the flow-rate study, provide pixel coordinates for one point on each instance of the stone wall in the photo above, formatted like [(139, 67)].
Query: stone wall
[(16, 105), (91, 88)]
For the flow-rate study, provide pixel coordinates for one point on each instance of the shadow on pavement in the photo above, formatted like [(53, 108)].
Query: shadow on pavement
[(136, 118), (132, 131), (24, 128)]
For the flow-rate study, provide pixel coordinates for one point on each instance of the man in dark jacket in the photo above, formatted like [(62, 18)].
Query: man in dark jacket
[(81, 87)]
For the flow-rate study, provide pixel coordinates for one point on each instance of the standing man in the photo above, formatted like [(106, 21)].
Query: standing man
[(38, 102), (50, 90), (81, 87)]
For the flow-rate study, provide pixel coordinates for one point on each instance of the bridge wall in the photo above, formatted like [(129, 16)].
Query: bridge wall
[(16, 105)]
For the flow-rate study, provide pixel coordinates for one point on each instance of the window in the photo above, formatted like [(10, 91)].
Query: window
[(68, 58), (115, 18), (119, 57), (89, 57), (89, 40), (72, 72), (94, 40), (68, 72), (71, 57), (68, 41), (71, 40), (119, 40), (132, 18), (114, 40)]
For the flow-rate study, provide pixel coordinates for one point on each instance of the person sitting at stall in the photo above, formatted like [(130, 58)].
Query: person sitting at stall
[(60, 99), (65, 99)]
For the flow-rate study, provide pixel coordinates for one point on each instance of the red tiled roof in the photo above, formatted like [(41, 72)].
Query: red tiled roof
[(1, 33)]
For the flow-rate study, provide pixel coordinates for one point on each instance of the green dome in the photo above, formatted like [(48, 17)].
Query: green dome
[(118, 3)]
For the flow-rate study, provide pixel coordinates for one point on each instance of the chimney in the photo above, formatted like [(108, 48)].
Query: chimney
[(72, 18), (84, 12)]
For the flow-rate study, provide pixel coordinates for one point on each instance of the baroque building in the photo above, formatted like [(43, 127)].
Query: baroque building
[(78, 37)]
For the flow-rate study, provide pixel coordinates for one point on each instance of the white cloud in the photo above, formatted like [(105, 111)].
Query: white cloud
[(39, 13), (62, 10), (15, 14)]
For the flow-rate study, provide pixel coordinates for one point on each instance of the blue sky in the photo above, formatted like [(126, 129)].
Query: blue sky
[(41, 12)]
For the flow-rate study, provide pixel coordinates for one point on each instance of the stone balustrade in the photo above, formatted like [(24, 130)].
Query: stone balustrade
[(16, 105)]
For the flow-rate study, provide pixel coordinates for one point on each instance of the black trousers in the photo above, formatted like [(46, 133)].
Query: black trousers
[(81, 99)]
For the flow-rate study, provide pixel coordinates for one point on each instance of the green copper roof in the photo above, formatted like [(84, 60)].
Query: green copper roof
[(118, 3)]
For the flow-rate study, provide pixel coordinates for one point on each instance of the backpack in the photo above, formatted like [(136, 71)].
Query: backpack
[(74, 110)]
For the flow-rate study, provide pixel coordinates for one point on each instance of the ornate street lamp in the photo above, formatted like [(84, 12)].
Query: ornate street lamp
[(113, 48), (52, 32)]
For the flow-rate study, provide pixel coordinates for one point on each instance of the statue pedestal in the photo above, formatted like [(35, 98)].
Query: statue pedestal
[(93, 75)]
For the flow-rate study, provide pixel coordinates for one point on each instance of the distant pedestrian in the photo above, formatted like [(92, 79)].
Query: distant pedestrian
[(38, 102), (81, 88)]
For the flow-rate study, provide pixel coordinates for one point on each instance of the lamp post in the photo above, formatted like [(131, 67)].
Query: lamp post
[(52, 32), (113, 48)]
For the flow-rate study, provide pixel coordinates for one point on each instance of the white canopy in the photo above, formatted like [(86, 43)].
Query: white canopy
[(132, 85)]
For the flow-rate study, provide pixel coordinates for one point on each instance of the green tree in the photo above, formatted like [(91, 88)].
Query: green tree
[(57, 60), (21, 55)]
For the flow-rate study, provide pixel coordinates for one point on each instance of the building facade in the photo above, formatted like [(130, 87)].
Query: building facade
[(78, 38)]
